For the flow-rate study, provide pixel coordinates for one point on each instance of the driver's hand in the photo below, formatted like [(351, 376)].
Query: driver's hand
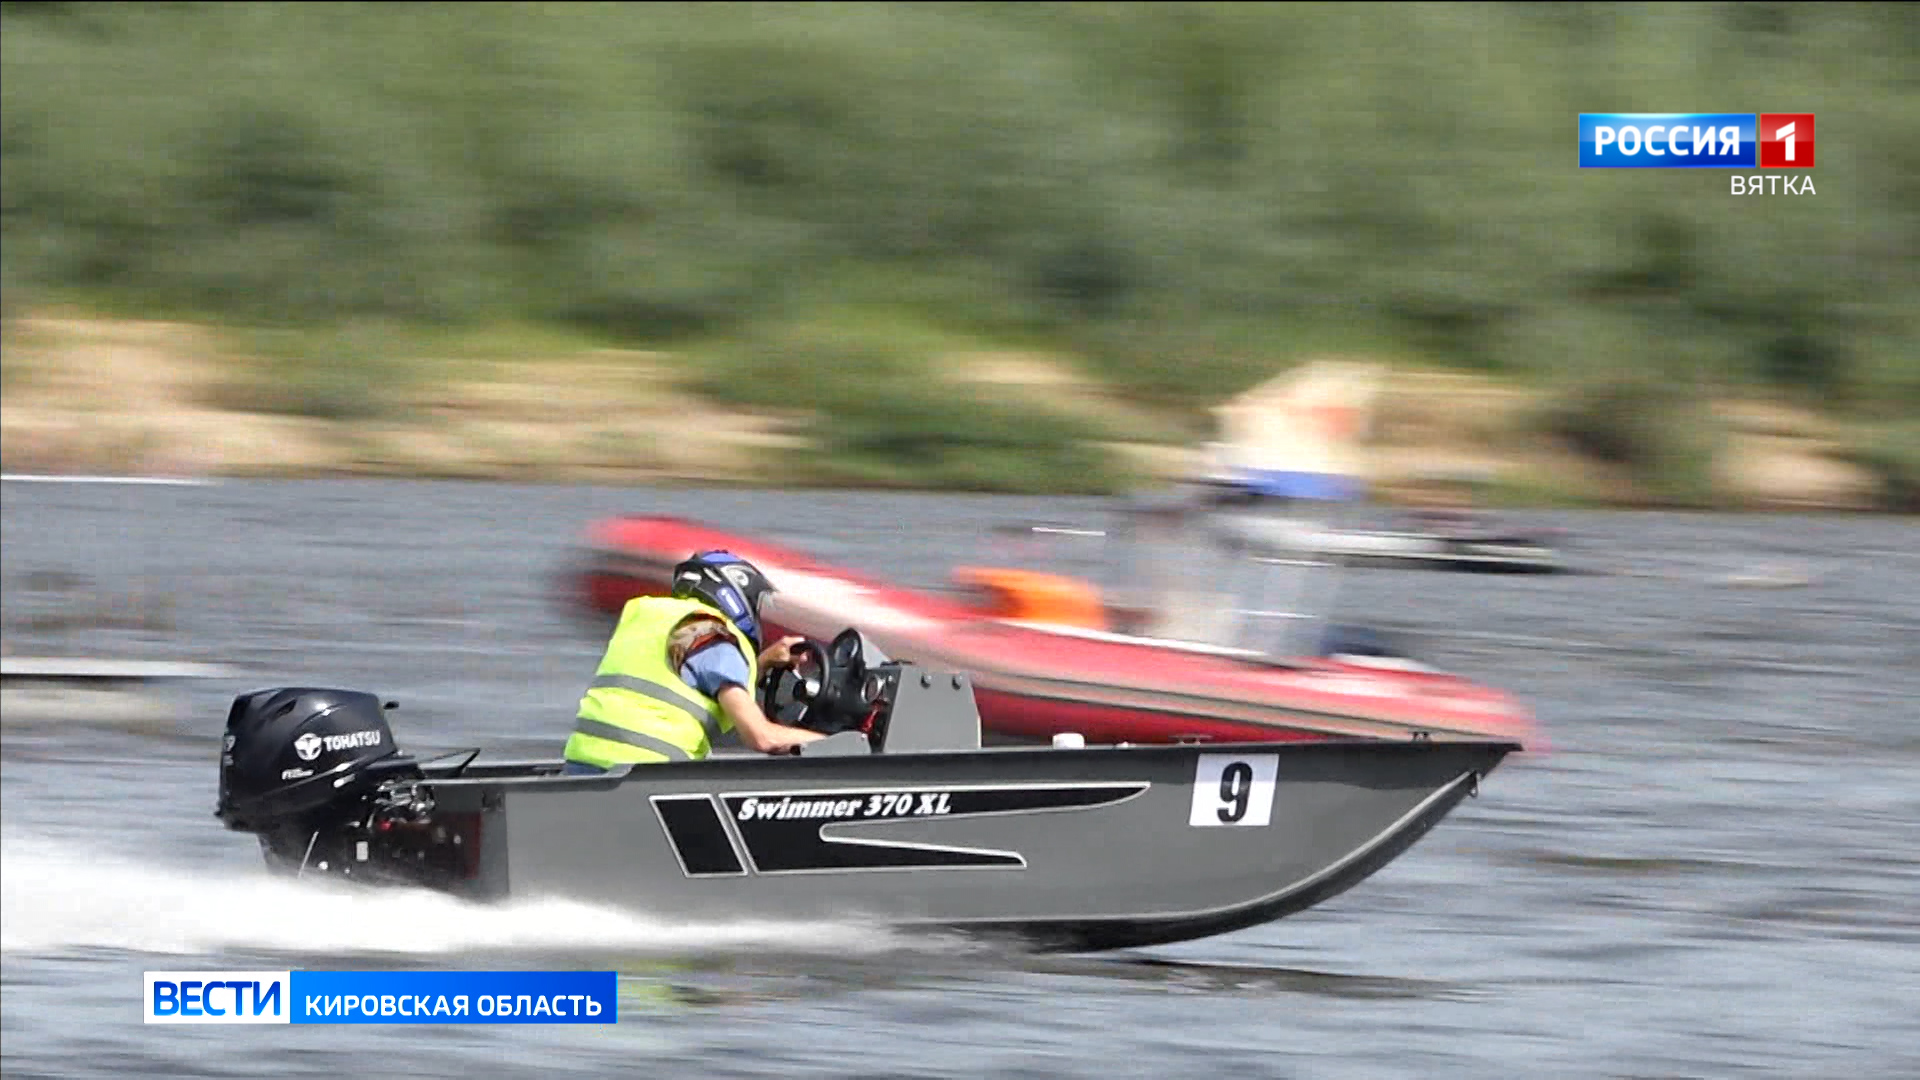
[(780, 653)]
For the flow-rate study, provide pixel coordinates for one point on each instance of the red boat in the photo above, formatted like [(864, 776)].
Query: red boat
[(1048, 655)]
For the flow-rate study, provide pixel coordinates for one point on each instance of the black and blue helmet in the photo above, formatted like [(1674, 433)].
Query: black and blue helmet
[(728, 582)]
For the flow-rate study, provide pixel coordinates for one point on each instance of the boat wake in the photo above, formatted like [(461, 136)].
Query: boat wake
[(55, 900)]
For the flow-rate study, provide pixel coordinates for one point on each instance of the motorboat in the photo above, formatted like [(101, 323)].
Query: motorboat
[(901, 817), (1302, 436), (1422, 541), (1468, 542), (1215, 618), (1197, 638)]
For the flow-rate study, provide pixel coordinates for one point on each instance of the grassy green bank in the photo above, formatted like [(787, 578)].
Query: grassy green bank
[(830, 217)]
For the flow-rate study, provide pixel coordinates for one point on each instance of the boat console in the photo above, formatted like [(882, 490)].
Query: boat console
[(851, 691)]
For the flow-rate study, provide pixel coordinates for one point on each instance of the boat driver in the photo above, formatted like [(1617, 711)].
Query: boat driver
[(679, 672)]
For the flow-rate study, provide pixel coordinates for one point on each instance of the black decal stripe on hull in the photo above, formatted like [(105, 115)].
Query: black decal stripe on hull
[(1069, 795), (797, 842), (848, 856), (697, 835)]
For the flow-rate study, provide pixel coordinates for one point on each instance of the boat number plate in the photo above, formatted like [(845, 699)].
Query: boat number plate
[(1233, 789)]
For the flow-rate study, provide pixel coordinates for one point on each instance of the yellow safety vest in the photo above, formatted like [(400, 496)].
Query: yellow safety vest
[(638, 710)]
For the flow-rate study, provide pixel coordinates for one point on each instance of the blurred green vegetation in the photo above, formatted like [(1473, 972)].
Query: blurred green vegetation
[(1891, 451), (1182, 196)]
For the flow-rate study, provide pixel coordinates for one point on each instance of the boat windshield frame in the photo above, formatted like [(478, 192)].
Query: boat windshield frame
[(1224, 570)]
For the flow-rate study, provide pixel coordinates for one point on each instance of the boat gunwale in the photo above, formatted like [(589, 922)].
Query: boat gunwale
[(679, 770)]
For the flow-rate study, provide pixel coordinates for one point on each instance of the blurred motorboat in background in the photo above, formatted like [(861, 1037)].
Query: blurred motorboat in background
[(1214, 623)]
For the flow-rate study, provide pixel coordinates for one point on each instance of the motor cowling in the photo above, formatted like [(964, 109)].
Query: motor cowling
[(297, 754)]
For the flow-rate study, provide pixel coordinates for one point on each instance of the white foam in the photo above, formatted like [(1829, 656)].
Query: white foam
[(54, 899)]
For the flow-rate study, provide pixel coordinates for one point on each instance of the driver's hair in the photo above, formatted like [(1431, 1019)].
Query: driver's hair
[(694, 633)]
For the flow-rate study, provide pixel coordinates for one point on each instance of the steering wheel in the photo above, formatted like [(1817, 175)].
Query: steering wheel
[(811, 685)]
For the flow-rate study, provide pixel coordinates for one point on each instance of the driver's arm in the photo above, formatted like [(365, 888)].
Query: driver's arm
[(720, 671), (758, 732)]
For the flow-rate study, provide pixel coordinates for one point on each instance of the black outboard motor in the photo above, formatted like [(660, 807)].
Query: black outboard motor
[(292, 754), (315, 774)]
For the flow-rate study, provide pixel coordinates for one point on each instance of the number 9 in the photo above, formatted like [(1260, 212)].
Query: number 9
[(1236, 787)]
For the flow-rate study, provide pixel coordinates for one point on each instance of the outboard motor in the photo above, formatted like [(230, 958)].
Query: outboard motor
[(315, 774), (292, 754)]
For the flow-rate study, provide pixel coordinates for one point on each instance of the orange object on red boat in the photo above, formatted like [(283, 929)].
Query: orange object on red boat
[(1033, 596)]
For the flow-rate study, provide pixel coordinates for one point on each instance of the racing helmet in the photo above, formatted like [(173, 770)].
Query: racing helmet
[(728, 582)]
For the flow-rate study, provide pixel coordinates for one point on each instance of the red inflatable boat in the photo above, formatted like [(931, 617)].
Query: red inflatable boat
[(1046, 659)]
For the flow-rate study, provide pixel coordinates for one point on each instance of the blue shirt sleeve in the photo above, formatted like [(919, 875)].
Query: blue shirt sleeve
[(714, 668)]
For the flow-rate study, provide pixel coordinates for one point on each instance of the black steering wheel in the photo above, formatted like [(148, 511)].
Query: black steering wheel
[(809, 679)]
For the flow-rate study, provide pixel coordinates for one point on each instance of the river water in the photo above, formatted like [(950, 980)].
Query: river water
[(1713, 870)]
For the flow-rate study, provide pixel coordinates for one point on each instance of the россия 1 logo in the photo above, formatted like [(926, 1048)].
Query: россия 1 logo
[(1696, 140), (1704, 141)]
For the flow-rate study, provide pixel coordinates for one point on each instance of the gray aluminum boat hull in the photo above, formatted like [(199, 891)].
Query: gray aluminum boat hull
[(1088, 848), (905, 820)]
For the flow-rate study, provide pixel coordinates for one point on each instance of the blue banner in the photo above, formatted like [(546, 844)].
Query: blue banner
[(454, 997), (1668, 141)]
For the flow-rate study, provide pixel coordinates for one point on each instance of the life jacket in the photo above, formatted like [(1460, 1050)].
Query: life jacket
[(638, 710)]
